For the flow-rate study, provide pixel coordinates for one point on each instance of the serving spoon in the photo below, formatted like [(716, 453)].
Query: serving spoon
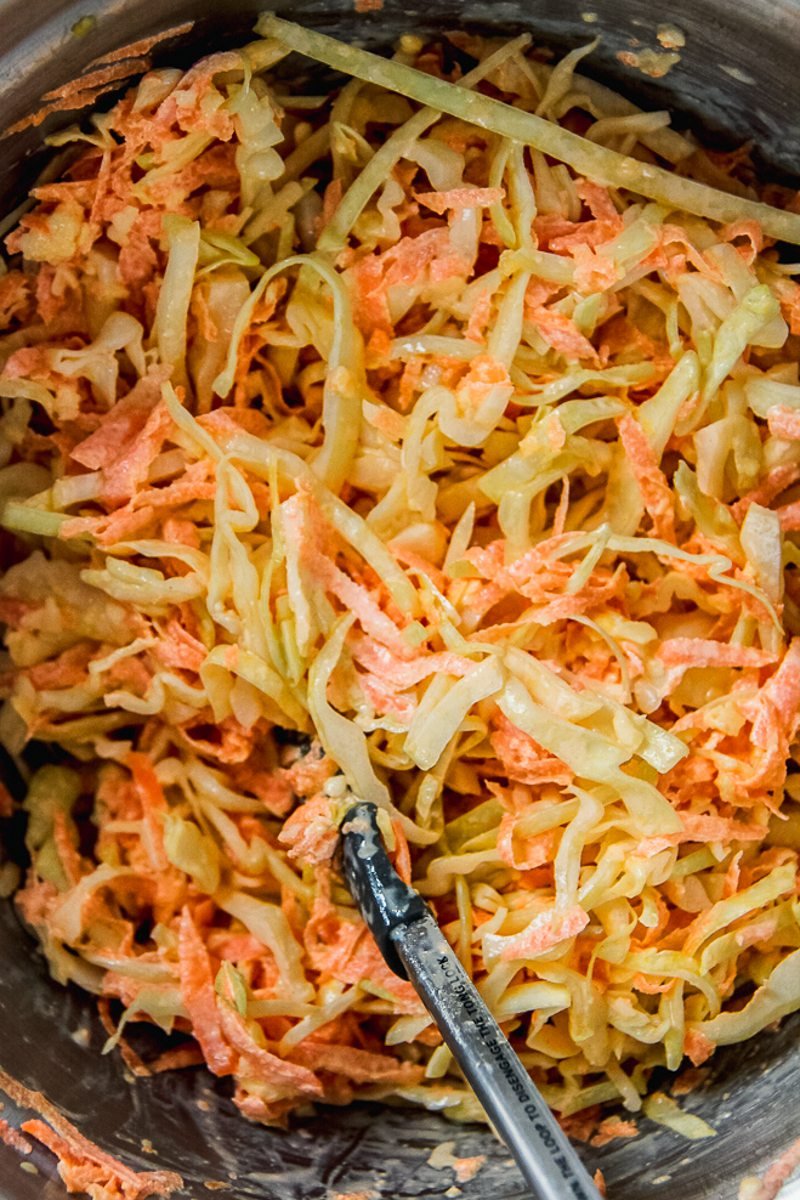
[(415, 949)]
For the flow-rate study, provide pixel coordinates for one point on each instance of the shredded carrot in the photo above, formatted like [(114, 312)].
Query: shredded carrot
[(560, 332), (697, 1047), (360, 1066), (82, 1165), (460, 198), (784, 423), (612, 1128), (259, 1064), (151, 797), (310, 833), (102, 1177), (197, 992), (545, 932), (144, 45), (656, 494), (14, 1139)]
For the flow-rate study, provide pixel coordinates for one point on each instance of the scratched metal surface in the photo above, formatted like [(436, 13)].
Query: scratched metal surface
[(737, 73)]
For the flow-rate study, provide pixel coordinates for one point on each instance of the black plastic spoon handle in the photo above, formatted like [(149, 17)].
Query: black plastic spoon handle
[(414, 947)]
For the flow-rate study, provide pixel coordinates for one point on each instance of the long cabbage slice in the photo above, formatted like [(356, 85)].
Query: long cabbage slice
[(601, 164), (345, 387), (176, 293), (334, 236), (776, 998)]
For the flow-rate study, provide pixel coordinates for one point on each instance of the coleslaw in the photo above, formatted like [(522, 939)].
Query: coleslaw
[(433, 440)]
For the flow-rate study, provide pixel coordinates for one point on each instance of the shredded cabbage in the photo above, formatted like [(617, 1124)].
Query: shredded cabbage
[(605, 166), (663, 1110), (169, 327)]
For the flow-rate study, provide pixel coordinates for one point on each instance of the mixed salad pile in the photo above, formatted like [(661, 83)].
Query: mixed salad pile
[(432, 440)]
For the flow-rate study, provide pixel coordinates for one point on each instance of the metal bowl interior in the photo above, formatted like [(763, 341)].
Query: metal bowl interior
[(736, 80)]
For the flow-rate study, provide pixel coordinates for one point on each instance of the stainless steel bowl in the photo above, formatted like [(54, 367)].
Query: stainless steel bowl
[(736, 78)]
